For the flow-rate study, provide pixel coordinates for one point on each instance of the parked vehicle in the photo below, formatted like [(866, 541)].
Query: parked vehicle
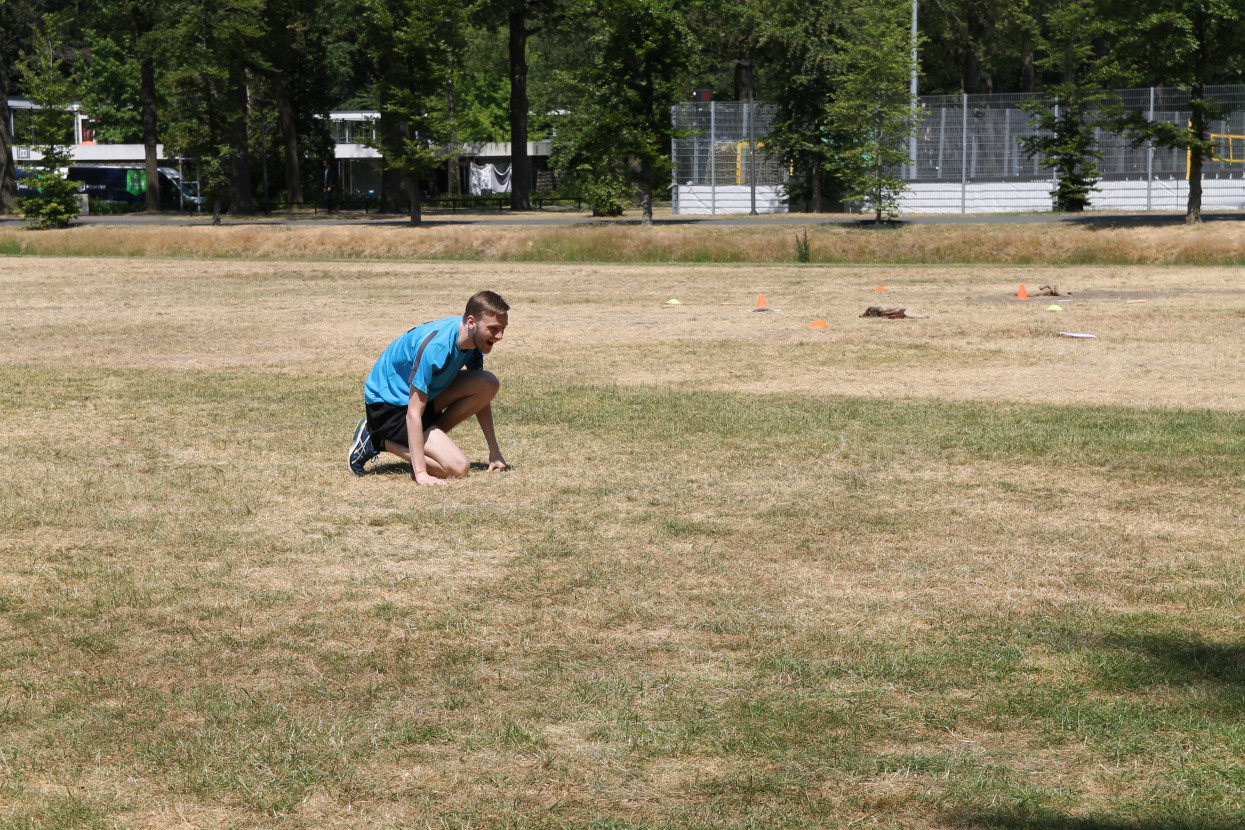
[(24, 190), (128, 185)]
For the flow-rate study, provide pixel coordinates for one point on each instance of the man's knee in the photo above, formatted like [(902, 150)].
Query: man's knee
[(458, 468), (488, 384)]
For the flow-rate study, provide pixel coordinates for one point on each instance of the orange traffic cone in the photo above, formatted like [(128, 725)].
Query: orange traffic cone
[(761, 306), (1022, 294)]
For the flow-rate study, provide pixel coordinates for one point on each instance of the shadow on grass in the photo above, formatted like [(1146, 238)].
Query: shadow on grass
[(1142, 220), (1054, 821), (404, 468), (1186, 658)]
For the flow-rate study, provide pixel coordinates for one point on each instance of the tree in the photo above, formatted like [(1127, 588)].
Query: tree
[(1186, 43), (44, 75), (309, 58), (800, 44), (872, 105), (17, 26), (523, 19), (977, 46), (119, 87), (618, 126), (206, 50), (408, 43), (1073, 105)]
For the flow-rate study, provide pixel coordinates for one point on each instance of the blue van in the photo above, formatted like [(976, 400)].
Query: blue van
[(128, 185)]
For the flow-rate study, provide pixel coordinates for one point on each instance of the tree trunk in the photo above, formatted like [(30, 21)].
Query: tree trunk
[(392, 182), (1197, 126), (239, 164), (417, 207), (818, 198), (453, 183), (147, 101), (520, 164), (972, 56), (8, 170), (289, 139)]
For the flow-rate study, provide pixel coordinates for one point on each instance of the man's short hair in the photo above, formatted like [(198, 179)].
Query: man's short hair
[(485, 302)]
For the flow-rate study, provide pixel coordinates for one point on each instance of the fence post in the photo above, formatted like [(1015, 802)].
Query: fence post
[(674, 165), (964, 155), (942, 136), (1150, 158), (713, 159), (1007, 140), (1054, 171)]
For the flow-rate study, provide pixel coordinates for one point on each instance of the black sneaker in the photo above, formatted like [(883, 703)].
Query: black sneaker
[(361, 451)]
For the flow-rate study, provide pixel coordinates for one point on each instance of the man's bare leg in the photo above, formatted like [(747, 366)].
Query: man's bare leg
[(470, 392), (442, 456)]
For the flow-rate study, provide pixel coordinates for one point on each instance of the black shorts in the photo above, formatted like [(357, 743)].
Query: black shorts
[(387, 422)]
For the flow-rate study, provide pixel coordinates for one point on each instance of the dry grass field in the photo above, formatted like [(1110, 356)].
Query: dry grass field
[(953, 572), (830, 241)]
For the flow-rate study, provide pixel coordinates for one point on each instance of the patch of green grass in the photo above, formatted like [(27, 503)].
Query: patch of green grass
[(961, 610)]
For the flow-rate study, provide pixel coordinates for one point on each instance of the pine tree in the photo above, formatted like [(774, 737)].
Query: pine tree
[(872, 110), (44, 71), (1072, 106)]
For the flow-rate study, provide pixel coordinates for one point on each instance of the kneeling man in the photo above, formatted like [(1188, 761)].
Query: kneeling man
[(427, 382)]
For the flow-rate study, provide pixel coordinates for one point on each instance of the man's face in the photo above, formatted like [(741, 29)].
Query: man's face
[(487, 330)]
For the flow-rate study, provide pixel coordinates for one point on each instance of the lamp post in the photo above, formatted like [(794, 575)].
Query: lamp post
[(912, 93)]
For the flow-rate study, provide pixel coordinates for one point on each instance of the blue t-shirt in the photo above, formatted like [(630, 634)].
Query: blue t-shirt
[(427, 357)]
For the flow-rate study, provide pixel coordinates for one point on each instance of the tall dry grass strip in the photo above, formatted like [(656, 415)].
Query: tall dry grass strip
[(1053, 243)]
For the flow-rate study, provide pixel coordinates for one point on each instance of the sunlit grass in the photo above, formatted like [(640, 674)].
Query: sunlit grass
[(707, 595), (672, 611)]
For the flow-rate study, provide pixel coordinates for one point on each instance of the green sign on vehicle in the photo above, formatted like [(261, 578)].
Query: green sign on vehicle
[(136, 182)]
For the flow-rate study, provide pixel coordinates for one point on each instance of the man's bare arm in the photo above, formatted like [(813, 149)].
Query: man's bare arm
[(415, 437), (485, 418)]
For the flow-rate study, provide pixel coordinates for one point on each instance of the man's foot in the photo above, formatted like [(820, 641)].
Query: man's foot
[(361, 451)]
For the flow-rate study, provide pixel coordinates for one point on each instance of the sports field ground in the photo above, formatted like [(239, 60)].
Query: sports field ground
[(952, 572)]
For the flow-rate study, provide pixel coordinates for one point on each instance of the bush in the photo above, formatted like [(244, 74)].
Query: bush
[(55, 206), (104, 207), (607, 196)]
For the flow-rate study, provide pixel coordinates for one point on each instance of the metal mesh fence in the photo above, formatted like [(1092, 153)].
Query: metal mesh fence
[(969, 156), (715, 146)]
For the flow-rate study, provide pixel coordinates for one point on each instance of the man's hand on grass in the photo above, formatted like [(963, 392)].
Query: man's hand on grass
[(496, 462), (427, 478)]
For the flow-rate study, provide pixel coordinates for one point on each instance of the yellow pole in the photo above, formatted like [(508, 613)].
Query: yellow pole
[(1188, 154)]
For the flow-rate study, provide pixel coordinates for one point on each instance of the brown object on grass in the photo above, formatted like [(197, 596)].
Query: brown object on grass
[(891, 311), (1051, 291)]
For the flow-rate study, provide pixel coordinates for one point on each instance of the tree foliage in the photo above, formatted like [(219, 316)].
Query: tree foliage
[(1185, 43), (1073, 105), (247, 84), (872, 108), (802, 43), (408, 43), (45, 70), (618, 126)]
